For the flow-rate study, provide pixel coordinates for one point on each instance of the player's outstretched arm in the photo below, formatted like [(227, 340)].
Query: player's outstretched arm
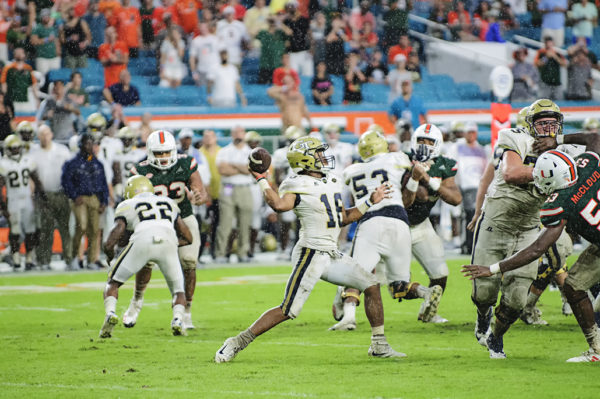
[(272, 198), (353, 214), (484, 184), (409, 191), (183, 232), (513, 170), (113, 238), (590, 141), (525, 256)]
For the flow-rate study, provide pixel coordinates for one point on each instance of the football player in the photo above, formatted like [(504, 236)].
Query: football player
[(254, 139), (438, 182), (17, 171), (154, 224), (316, 199), (174, 176), (382, 233), (26, 132), (509, 222), (126, 158), (342, 152), (591, 125), (570, 188)]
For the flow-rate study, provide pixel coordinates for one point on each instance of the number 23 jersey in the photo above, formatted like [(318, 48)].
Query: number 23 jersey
[(319, 208), (578, 204), (16, 176), (149, 213)]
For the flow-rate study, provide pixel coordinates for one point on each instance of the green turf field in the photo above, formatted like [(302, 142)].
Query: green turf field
[(49, 345)]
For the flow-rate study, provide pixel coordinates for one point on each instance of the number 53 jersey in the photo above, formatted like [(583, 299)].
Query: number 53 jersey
[(579, 204), (151, 214), (319, 208)]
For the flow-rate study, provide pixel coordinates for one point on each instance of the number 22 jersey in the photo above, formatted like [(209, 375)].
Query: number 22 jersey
[(319, 208)]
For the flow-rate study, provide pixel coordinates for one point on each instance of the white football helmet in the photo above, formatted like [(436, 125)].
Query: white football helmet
[(161, 141), (430, 132), (554, 170)]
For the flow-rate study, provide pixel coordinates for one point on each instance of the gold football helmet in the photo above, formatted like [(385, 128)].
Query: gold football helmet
[(521, 118), (371, 143), (542, 109), (294, 132), (13, 146), (136, 185), (25, 130), (591, 125), (253, 136), (307, 153)]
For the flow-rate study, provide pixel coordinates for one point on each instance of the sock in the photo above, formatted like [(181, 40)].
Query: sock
[(245, 337), (349, 311), (531, 299), (422, 291), (188, 308), (138, 295), (178, 311), (592, 336), (377, 331), (110, 304)]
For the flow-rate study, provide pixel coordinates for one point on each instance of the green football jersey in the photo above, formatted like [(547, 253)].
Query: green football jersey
[(579, 204), (441, 168), (171, 182)]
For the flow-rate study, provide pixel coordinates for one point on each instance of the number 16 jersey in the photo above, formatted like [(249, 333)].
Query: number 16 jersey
[(318, 207)]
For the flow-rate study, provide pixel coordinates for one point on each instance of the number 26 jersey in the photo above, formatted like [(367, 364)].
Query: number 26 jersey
[(318, 207)]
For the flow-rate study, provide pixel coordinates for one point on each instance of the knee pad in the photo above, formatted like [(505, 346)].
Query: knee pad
[(506, 315), (188, 264), (346, 294), (399, 290)]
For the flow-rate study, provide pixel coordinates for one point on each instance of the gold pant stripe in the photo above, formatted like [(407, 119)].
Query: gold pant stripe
[(290, 292), (120, 259)]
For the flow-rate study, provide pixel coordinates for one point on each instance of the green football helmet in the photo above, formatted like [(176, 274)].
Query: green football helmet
[(25, 130), (544, 108), (136, 185), (302, 155), (13, 146), (293, 133), (521, 118), (371, 143), (591, 124)]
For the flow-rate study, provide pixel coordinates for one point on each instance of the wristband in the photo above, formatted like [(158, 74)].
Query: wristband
[(412, 185), (560, 139), (364, 207), (495, 268), (263, 184), (434, 184)]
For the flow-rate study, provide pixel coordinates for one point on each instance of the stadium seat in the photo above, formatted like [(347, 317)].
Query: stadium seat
[(146, 66), (257, 94), (468, 91), (375, 93)]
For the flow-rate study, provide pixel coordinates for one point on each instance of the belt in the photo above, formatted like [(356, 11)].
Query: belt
[(392, 211)]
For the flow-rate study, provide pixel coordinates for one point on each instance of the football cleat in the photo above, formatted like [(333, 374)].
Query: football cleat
[(177, 327), (430, 304), (496, 347), (588, 356), (133, 311), (381, 348), (228, 351), (596, 304), (344, 325), (566, 309), (110, 321), (338, 304), (482, 327), (187, 321), (437, 319), (533, 316)]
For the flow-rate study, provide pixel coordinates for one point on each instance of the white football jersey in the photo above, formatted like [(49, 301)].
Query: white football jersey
[(319, 208), (128, 160), (364, 178), (280, 161), (109, 148), (342, 152), (147, 212), (16, 176)]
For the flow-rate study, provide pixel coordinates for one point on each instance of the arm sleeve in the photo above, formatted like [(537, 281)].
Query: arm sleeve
[(66, 181), (552, 213)]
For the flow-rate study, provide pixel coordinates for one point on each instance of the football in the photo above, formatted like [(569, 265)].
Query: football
[(259, 160)]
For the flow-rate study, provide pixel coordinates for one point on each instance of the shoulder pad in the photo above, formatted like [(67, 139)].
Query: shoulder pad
[(296, 184), (515, 140)]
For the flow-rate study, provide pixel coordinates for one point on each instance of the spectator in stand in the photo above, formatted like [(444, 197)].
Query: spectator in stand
[(7, 114), (84, 182), (438, 15), (75, 93), (360, 15), (128, 22), (232, 35), (5, 23), (59, 112), (553, 20), (172, 68), (210, 150), (318, 32), (364, 41), (413, 65), (581, 45), (396, 21), (506, 17), (285, 70), (376, 71), (75, 36), (123, 92), (146, 12), (44, 38), (525, 77), (460, 25), (353, 80), (518, 7), (321, 85), (579, 76), (55, 211), (18, 35), (296, 26), (224, 83), (493, 33), (397, 76), (240, 10), (291, 103), (272, 42), (408, 107), (403, 47), (256, 18), (97, 26), (549, 61), (187, 13), (336, 39), (17, 79), (114, 55), (204, 52), (584, 16)]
